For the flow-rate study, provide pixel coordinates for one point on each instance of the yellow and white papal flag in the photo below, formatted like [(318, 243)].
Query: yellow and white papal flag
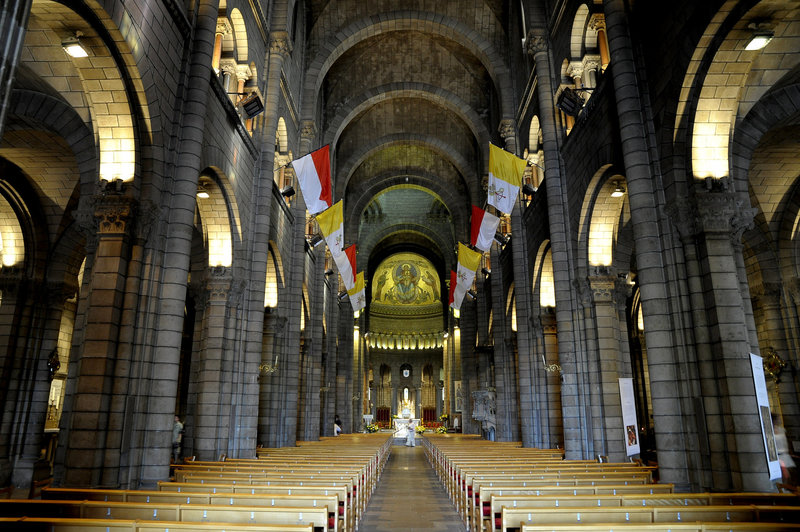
[(357, 298), (331, 223), (469, 261), (505, 178)]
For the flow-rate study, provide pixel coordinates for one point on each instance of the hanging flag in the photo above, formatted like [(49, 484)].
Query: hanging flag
[(331, 223), (505, 178), (346, 263), (453, 282), (468, 263), (314, 175), (484, 226), (357, 298)]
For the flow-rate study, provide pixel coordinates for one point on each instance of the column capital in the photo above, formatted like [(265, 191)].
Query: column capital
[(218, 280), (228, 65), (603, 285), (597, 22), (721, 212), (535, 44), (113, 210), (280, 44), (223, 26), (507, 128), (308, 129), (767, 293)]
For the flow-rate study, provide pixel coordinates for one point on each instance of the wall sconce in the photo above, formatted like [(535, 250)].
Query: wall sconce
[(287, 192), (570, 102), (202, 192), (252, 105), (314, 241), (486, 272), (759, 40), (329, 271), (618, 192), (73, 47), (528, 189), (343, 296), (501, 239), (472, 294)]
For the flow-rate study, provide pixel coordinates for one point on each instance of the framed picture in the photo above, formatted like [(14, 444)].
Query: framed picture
[(458, 396)]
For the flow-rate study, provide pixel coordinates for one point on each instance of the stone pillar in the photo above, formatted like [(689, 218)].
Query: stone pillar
[(508, 132), (598, 23), (572, 347), (552, 376), (90, 416), (722, 222), (655, 269), (269, 384), (608, 407), (13, 21), (211, 428)]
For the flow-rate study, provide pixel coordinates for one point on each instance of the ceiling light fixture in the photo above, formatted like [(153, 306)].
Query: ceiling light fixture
[(73, 47), (759, 40), (202, 192), (618, 191)]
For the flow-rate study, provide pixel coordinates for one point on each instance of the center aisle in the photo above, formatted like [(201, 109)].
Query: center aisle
[(409, 497)]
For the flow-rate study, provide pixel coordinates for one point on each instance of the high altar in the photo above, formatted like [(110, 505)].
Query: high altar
[(401, 426)]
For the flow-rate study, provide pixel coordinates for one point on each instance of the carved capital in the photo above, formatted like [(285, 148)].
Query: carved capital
[(308, 129), (583, 292), (535, 44), (507, 128), (218, 284), (622, 291), (228, 65), (597, 22), (682, 215), (280, 44), (767, 294), (223, 26), (113, 212), (243, 72), (575, 70), (714, 211), (147, 214), (603, 288)]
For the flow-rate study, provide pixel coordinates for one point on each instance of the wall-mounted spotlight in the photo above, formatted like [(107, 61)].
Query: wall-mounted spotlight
[(313, 241), (618, 191), (570, 102), (73, 47), (501, 238), (202, 192), (329, 271), (342, 296), (252, 105), (287, 192), (528, 189), (472, 294), (486, 272), (446, 335)]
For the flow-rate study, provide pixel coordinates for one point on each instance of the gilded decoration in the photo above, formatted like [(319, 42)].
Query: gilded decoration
[(406, 279)]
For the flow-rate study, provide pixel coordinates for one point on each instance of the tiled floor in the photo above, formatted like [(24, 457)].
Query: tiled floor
[(409, 497)]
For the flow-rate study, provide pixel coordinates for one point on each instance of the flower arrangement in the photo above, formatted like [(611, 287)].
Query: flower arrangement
[(441, 430), (420, 429), (395, 416), (443, 418), (372, 427)]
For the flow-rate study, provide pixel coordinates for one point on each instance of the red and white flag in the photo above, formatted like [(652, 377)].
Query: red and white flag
[(314, 175), (484, 227), (346, 263)]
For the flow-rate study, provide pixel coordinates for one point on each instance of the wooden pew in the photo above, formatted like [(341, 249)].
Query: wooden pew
[(55, 524), (515, 518), (498, 502), (666, 527), (112, 510)]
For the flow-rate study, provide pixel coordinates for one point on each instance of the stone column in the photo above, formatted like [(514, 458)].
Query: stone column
[(90, 416), (508, 132), (611, 366), (723, 222), (13, 21), (211, 429), (572, 347), (552, 377), (653, 263)]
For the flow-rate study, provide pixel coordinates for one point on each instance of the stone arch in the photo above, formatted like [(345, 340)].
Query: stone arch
[(464, 169), (436, 24), (543, 278), (425, 91), (600, 218), (240, 50), (215, 222), (578, 37), (274, 277)]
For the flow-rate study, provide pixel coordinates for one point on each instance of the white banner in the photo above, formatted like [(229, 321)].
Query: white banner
[(762, 399), (629, 423)]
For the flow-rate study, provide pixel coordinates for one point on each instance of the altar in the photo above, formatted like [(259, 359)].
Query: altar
[(401, 427)]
